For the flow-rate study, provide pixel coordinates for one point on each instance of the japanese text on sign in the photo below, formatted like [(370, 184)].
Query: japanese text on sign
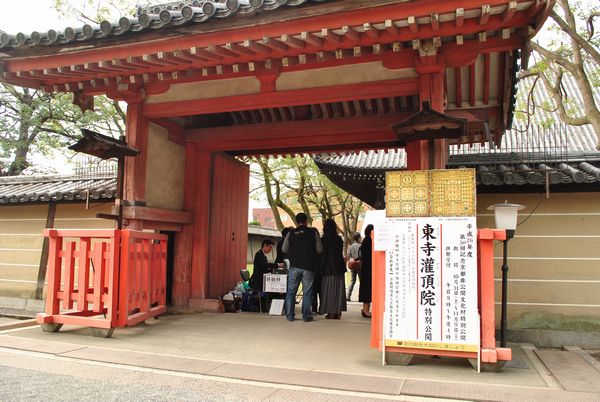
[(431, 281)]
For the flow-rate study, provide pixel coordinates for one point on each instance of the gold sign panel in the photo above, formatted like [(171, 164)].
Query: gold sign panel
[(447, 192)]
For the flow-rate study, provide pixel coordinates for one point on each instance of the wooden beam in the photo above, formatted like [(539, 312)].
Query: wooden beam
[(257, 47), (221, 51), (287, 135), (330, 36), (350, 33), (284, 98), (472, 84), (311, 39), (509, 13), (274, 44), (413, 26), (292, 41), (486, 79), (240, 50), (41, 278), (391, 27), (195, 51), (158, 215), (459, 17), (484, 16), (458, 80), (435, 22), (371, 30)]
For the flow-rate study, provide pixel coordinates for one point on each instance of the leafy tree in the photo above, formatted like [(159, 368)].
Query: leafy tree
[(33, 121), (295, 184), (575, 51), (94, 11)]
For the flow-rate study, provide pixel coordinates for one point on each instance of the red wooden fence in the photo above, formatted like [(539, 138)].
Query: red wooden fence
[(104, 278)]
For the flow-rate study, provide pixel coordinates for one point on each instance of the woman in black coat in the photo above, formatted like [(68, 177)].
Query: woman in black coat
[(364, 292), (333, 271)]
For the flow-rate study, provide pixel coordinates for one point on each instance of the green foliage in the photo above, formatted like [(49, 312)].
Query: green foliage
[(32, 121), (566, 53), (295, 184), (254, 223)]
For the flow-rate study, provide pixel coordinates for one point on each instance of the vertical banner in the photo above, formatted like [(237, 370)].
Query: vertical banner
[(431, 283)]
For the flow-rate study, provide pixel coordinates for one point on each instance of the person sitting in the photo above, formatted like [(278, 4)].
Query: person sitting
[(261, 265)]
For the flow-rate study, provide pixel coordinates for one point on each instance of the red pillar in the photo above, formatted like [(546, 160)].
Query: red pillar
[(432, 154), (202, 184), (184, 240), (135, 168)]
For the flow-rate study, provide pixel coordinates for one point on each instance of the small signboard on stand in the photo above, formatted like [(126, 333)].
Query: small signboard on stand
[(275, 283)]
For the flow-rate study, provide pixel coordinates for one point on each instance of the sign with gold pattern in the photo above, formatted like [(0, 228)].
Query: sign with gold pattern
[(445, 192)]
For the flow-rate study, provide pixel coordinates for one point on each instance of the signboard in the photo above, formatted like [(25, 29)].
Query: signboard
[(444, 192), (275, 283), (431, 282)]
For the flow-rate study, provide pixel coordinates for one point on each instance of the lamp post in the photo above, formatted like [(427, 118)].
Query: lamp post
[(506, 218)]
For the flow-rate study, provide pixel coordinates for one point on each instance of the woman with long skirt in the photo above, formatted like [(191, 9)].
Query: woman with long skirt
[(333, 270), (364, 292)]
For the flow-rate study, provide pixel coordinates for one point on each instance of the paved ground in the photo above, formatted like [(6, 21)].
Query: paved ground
[(326, 356)]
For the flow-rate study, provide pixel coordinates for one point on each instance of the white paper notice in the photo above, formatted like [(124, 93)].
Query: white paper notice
[(431, 283)]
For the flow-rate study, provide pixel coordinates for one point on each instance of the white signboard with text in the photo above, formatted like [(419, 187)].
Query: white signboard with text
[(431, 282), (275, 283)]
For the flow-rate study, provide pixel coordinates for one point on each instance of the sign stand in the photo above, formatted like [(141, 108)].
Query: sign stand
[(433, 271)]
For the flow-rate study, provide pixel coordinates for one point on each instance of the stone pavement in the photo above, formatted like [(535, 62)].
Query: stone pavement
[(325, 355)]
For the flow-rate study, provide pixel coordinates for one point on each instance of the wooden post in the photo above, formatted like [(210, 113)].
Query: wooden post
[(184, 240), (429, 154), (39, 287), (135, 168), (203, 186)]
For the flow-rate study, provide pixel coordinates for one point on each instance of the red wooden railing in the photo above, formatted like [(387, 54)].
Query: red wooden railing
[(104, 278)]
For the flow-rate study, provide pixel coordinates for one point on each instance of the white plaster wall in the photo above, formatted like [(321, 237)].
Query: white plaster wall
[(208, 89), (165, 169), (340, 75)]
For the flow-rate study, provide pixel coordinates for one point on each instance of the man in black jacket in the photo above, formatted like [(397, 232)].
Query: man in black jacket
[(261, 265), (302, 246)]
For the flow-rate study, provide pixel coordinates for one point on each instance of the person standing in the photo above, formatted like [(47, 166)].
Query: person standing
[(354, 253), (281, 256), (364, 291), (302, 246), (333, 270)]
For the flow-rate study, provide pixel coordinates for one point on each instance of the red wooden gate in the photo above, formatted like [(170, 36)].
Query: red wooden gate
[(228, 231), (114, 278)]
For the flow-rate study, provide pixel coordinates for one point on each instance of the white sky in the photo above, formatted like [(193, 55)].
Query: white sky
[(28, 16)]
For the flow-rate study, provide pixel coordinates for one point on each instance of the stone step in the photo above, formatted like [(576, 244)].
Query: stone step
[(572, 371)]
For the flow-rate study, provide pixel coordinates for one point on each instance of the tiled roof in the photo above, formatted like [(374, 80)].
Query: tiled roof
[(161, 16), (20, 189), (260, 231), (521, 159), (568, 153)]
